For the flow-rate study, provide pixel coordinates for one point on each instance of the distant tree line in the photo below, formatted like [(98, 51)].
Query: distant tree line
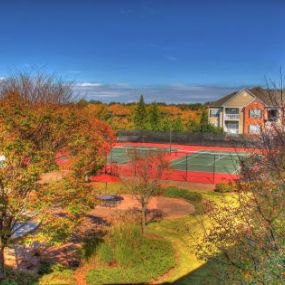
[(184, 106), (157, 116), (155, 120)]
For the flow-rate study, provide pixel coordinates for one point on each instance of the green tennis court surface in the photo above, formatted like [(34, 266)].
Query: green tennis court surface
[(122, 155), (200, 161), (209, 161)]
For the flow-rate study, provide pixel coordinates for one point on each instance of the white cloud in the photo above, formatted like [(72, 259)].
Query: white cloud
[(88, 84), (172, 93)]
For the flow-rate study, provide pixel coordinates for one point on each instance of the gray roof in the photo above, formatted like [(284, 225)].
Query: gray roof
[(221, 101), (270, 97)]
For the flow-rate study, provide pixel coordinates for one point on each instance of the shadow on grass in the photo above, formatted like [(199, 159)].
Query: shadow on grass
[(208, 274)]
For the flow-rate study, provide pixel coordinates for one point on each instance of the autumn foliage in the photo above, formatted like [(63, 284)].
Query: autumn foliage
[(38, 120)]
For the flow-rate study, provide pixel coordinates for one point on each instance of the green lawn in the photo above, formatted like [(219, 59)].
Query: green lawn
[(183, 234)]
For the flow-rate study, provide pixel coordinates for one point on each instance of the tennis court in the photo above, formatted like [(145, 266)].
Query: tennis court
[(186, 163), (123, 154), (209, 161)]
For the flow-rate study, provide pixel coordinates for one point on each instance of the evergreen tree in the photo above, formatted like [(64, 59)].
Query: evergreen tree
[(193, 126), (204, 118), (178, 125), (166, 124), (140, 118), (154, 117)]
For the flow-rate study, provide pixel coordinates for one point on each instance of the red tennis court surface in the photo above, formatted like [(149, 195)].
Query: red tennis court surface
[(197, 164)]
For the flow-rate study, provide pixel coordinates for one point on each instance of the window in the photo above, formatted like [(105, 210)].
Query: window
[(214, 112), (232, 111), (254, 113), (254, 129), (272, 115)]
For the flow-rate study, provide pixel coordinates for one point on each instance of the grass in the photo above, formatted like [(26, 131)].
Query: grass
[(115, 188), (128, 257), (125, 256), (184, 234), (176, 231), (194, 197), (65, 277)]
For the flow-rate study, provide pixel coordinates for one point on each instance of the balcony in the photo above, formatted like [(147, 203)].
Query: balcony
[(232, 117)]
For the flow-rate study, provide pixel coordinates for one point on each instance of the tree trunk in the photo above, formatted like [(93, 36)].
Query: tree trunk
[(143, 217), (2, 263)]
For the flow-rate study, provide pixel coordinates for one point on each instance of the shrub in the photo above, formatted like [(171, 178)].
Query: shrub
[(44, 268), (65, 277), (8, 282), (134, 258), (225, 187), (16, 277)]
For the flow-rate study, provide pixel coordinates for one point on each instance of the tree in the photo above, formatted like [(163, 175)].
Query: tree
[(154, 117), (38, 120), (178, 125), (193, 126), (141, 116), (247, 237), (144, 181)]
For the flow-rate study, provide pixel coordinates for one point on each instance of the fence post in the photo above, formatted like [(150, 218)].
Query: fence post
[(214, 169), (170, 139), (186, 166), (111, 162)]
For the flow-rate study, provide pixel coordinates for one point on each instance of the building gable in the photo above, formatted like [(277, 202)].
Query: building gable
[(240, 99)]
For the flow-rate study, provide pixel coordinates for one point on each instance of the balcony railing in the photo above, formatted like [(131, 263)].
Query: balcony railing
[(232, 116)]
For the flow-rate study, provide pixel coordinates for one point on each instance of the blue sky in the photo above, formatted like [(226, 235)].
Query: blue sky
[(170, 50)]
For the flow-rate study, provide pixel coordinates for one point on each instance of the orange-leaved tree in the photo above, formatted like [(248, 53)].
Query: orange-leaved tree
[(144, 180), (38, 119)]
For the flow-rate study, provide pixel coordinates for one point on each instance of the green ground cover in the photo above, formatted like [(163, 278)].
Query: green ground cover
[(184, 234), (136, 259)]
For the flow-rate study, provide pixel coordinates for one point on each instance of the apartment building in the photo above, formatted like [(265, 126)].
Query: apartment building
[(247, 111)]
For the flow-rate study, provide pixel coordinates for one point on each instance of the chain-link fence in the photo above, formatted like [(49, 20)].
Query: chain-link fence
[(186, 138), (190, 166)]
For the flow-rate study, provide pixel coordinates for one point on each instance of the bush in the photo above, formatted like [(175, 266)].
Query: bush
[(15, 277), (65, 277), (133, 257), (44, 268), (174, 192), (225, 188), (8, 282)]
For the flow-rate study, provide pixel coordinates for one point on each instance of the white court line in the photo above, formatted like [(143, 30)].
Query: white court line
[(183, 158), (236, 171), (214, 161)]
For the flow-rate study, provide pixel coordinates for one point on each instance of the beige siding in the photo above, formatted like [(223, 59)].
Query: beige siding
[(214, 121), (222, 118), (239, 100), (241, 122)]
